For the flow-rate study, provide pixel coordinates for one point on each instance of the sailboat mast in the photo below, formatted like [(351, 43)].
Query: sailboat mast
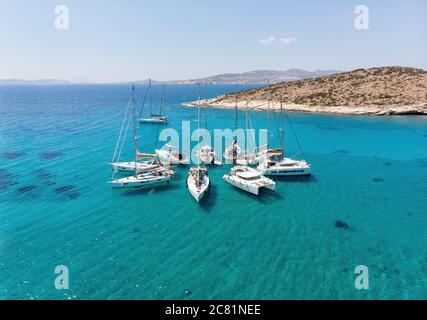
[(149, 86), (235, 114), (163, 100), (206, 110), (268, 108), (135, 149), (198, 127), (247, 126), (283, 128)]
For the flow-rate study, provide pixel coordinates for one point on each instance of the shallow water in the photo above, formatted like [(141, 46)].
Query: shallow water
[(56, 208)]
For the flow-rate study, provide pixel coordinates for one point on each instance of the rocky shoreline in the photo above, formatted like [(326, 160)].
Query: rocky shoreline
[(262, 105)]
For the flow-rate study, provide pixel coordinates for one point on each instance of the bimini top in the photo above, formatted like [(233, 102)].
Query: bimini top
[(248, 175)]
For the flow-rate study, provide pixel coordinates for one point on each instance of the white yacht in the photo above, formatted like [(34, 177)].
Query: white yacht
[(273, 163), (152, 117), (247, 159), (152, 178), (198, 182), (248, 179), (207, 155), (139, 166), (172, 155), (232, 152), (155, 176)]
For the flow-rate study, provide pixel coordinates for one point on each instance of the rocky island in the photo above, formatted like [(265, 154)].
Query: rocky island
[(374, 91)]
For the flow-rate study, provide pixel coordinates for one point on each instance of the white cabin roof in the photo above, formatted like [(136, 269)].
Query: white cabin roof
[(248, 174)]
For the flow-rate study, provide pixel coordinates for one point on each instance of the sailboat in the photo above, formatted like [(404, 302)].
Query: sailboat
[(206, 153), (232, 152), (246, 158), (143, 162), (172, 155), (249, 179), (141, 165), (198, 181), (274, 163), (154, 118), (153, 177)]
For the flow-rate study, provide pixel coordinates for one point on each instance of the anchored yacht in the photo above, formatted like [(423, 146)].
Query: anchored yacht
[(140, 165), (153, 117), (248, 179), (274, 164), (172, 155), (142, 178), (152, 178), (198, 182)]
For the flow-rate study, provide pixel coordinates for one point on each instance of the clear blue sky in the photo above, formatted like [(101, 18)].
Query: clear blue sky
[(169, 39)]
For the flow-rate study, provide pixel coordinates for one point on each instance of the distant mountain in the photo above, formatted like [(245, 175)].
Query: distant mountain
[(33, 82), (261, 76), (258, 76)]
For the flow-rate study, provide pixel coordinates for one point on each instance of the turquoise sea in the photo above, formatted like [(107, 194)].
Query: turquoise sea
[(57, 209)]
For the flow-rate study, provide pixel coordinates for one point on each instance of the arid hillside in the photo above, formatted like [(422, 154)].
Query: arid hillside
[(385, 90)]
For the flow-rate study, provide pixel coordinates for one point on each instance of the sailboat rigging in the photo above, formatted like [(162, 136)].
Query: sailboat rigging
[(206, 153), (154, 118), (198, 181), (273, 161), (144, 174)]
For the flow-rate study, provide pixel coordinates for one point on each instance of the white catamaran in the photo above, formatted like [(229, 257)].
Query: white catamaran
[(156, 176), (248, 179), (198, 181), (273, 161), (153, 118), (171, 155)]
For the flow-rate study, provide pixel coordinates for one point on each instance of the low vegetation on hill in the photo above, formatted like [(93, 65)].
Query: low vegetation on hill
[(385, 86)]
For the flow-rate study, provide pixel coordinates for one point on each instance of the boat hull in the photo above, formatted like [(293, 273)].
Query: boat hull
[(134, 183), (198, 192), (153, 121), (246, 187), (130, 166), (284, 171), (165, 157)]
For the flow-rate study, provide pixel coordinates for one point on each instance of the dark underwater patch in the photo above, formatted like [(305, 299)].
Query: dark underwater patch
[(387, 164), (68, 191), (6, 175), (341, 225), (7, 179), (73, 195), (45, 176), (422, 163), (65, 189), (6, 184), (12, 155), (342, 151), (50, 155), (378, 180), (27, 189), (136, 230)]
